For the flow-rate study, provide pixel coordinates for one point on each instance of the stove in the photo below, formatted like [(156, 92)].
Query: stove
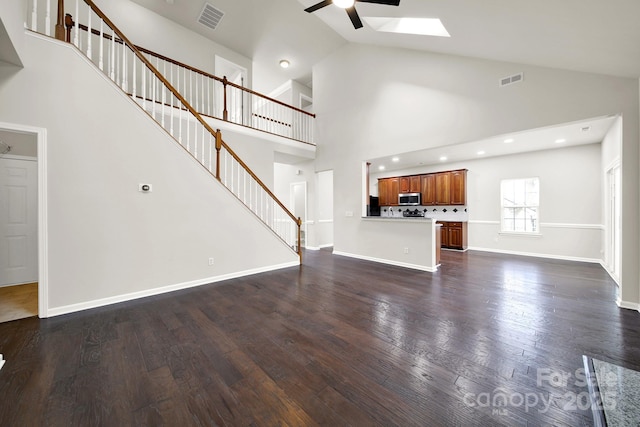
[(415, 213)]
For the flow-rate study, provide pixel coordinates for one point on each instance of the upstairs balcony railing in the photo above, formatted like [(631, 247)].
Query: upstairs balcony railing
[(210, 95), (111, 52)]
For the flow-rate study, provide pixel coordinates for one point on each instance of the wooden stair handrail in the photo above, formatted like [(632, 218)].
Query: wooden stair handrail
[(177, 94), (198, 71)]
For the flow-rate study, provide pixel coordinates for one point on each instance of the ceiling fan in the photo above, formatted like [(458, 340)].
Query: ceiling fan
[(349, 6)]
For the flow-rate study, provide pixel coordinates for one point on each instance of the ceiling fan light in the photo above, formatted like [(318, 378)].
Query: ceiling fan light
[(345, 4)]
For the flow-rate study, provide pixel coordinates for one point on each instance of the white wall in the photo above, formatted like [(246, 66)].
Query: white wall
[(324, 197), (107, 241), (391, 100), (152, 31), (571, 224), (12, 18), (303, 172)]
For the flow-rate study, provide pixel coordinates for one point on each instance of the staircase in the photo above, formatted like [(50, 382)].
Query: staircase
[(155, 89)]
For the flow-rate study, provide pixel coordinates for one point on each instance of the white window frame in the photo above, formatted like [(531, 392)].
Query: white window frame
[(536, 206)]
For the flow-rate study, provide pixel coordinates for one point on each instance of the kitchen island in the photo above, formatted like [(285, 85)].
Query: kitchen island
[(405, 242)]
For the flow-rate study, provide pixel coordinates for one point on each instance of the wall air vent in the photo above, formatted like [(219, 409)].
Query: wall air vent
[(516, 78), (210, 16)]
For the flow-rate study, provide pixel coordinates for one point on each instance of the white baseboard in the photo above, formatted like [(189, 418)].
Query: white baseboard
[(317, 248), (388, 261), (628, 305), (537, 255), (57, 311)]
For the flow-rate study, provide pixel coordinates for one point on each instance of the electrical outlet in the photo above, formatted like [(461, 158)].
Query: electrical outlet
[(210, 261), (406, 250)]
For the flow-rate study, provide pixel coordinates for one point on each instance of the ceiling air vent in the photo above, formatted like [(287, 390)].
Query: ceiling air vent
[(516, 78), (210, 16)]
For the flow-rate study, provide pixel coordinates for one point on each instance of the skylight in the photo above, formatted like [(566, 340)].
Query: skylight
[(419, 26)]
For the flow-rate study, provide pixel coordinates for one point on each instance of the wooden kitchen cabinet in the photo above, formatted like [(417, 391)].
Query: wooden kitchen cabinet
[(405, 184), (383, 192), (454, 235), (414, 184), (394, 189), (458, 187), (443, 188), (428, 189)]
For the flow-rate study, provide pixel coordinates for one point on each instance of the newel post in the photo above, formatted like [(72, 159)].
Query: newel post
[(225, 113), (299, 238), (68, 23), (60, 21), (218, 147)]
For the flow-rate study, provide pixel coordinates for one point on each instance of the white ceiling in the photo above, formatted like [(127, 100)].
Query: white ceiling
[(576, 133), (584, 35)]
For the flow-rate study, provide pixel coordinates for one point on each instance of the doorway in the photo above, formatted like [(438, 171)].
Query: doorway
[(18, 225), (614, 211), (298, 197), (238, 109), (23, 218)]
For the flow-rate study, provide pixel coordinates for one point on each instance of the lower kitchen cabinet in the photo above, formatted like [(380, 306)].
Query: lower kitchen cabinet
[(453, 235)]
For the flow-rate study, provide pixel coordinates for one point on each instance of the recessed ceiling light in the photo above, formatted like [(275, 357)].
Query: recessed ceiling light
[(395, 159), (418, 26), (480, 153), (443, 158), (509, 140), (381, 167), (344, 3), (284, 63), (560, 141)]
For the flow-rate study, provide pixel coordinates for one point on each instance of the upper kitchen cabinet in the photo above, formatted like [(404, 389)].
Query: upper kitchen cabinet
[(443, 188), (394, 189), (383, 192), (428, 189), (458, 183), (388, 189)]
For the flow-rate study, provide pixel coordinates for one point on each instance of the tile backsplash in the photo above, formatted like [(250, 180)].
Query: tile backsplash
[(440, 213)]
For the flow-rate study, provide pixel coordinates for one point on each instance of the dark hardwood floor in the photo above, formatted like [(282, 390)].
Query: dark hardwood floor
[(337, 342)]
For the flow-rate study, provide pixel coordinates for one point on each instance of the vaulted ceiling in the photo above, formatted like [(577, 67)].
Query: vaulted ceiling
[(582, 35)]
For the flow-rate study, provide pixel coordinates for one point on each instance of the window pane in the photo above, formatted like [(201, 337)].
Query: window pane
[(519, 201)]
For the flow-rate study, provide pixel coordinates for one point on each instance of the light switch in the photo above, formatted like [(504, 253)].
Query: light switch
[(145, 188)]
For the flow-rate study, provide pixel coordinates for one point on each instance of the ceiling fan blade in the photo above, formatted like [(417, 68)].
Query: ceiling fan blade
[(387, 2), (317, 6), (355, 19)]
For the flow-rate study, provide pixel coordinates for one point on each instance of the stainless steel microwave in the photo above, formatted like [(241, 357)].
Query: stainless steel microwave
[(409, 199)]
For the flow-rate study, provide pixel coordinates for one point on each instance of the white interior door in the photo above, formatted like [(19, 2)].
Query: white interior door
[(18, 221), (299, 206)]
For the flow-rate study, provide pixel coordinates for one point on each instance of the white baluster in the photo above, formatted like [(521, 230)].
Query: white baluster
[(133, 73), (47, 19), (124, 67), (77, 15), (208, 96), (89, 52), (34, 15), (144, 87), (101, 51), (181, 106), (188, 123), (164, 90), (197, 94), (172, 97), (112, 61), (153, 94)]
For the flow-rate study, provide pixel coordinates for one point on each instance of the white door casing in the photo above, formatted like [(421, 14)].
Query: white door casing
[(18, 221)]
